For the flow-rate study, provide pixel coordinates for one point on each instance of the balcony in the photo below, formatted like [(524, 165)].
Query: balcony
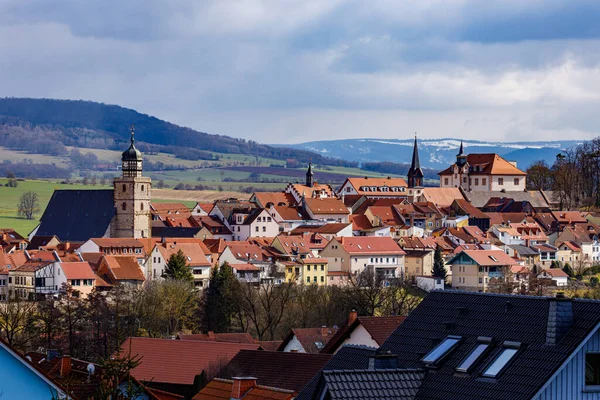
[(495, 274)]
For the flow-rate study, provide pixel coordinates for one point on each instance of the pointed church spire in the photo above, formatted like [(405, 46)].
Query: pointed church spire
[(461, 157), (415, 173), (310, 175), (462, 150), (132, 133)]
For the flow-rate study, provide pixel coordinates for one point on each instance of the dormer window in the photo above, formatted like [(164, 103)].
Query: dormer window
[(440, 351), (508, 352)]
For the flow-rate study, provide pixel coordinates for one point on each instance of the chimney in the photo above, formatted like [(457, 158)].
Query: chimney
[(383, 360), (241, 385), (67, 246), (65, 366), (211, 334), (352, 317), (324, 331), (560, 318)]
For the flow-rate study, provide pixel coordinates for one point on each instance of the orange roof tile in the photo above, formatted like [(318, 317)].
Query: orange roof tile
[(77, 270), (490, 164), (264, 199), (178, 361), (220, 389), (195, 255), (441, 197), (370, 245), (326, 206), (489, 257), (124, 268)]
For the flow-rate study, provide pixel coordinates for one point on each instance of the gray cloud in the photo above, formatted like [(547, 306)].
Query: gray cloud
[(295, 71)]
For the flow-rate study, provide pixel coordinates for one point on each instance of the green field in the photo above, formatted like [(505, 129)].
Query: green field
[(9, 200)]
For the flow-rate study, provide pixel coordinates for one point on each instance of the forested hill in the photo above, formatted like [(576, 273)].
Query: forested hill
[(46, 124)]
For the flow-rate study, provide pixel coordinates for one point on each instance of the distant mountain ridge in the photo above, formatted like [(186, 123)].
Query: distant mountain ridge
[(108, 125), (435, 153)]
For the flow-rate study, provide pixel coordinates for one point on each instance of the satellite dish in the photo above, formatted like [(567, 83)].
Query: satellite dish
[(28, 358), (91, 368)]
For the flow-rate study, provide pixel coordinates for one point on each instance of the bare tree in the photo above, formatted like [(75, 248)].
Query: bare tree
[(29, 205), (17, 319)]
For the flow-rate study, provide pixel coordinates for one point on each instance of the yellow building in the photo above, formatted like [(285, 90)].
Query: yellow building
[(307, 271)]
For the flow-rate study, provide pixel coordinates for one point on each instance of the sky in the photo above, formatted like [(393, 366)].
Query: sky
[(291, 71)]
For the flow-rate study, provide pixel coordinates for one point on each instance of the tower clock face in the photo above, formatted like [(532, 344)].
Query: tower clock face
[(139, 165)]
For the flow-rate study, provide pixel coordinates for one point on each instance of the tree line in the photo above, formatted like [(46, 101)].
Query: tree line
[(92, 328), (574, 177)]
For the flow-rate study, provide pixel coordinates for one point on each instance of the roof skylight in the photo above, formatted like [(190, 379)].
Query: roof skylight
[(502, 360), (435, 355), (483, 343)]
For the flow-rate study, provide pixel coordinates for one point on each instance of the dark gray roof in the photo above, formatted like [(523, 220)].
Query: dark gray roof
[(398, 384), (174, 231), (523, 250), (349, 357), (521, 319), (77, 215)]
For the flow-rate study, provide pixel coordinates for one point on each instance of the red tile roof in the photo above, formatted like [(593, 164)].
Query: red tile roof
[(195, 255), (491, 164), (358, 183), (245, 267), (124, 268), (360, 222), (370, 245), (380, 329), (264, 199), (77, 270), (178, 361), (311, 339), (117, 242), (220, 389), (489, 257), (270, 345), (326, 206), (219, 337)]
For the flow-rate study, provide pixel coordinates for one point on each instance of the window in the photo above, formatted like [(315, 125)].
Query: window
[(256, 229), (142, 206), (476, 181), (480, 280), (592, 369), (75, 282), (264, 228), (308, 267), (464, 179), (124, 188), (308, 279), (142, 188), (482, 345), (516, 182), (502, 360), (445, 181), (124, 206), (322, 279), (483, 181), (500, 181), (441, 350), (315, 279)]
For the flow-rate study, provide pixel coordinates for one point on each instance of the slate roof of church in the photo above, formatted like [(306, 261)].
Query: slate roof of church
[(77, 215)]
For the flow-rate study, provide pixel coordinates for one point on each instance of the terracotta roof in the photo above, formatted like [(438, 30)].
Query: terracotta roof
[(326, 229), (441, 197), (519, 269), (276, 198), (162, 395), (569, 217), (14, 259), (180, 221), (216, 245), (370, 245), (309, 192), (195, 255), (213, 224), (77, 270), (294, 244), (245, 267), (170, 209), (470, 210), (326, 206), (92, 258), (218, 389), (311, 339), (41, 255), (291, 213), (244, 337), (358, 183), (556, 273), (491, 164), (278, 369), (488, 257), (207, 207), (178, 361), (246, 251), (380, 328), (270, 345), (124, 268), (572, 246), (360, 222), (386, 214)]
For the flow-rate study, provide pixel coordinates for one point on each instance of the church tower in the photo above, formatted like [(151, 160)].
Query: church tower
[(132, 197), (415, 173), (310, 176)]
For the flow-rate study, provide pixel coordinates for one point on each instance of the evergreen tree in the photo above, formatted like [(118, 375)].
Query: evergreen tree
[(177, 268), (439, 268), (220, 299), (568, 270)]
